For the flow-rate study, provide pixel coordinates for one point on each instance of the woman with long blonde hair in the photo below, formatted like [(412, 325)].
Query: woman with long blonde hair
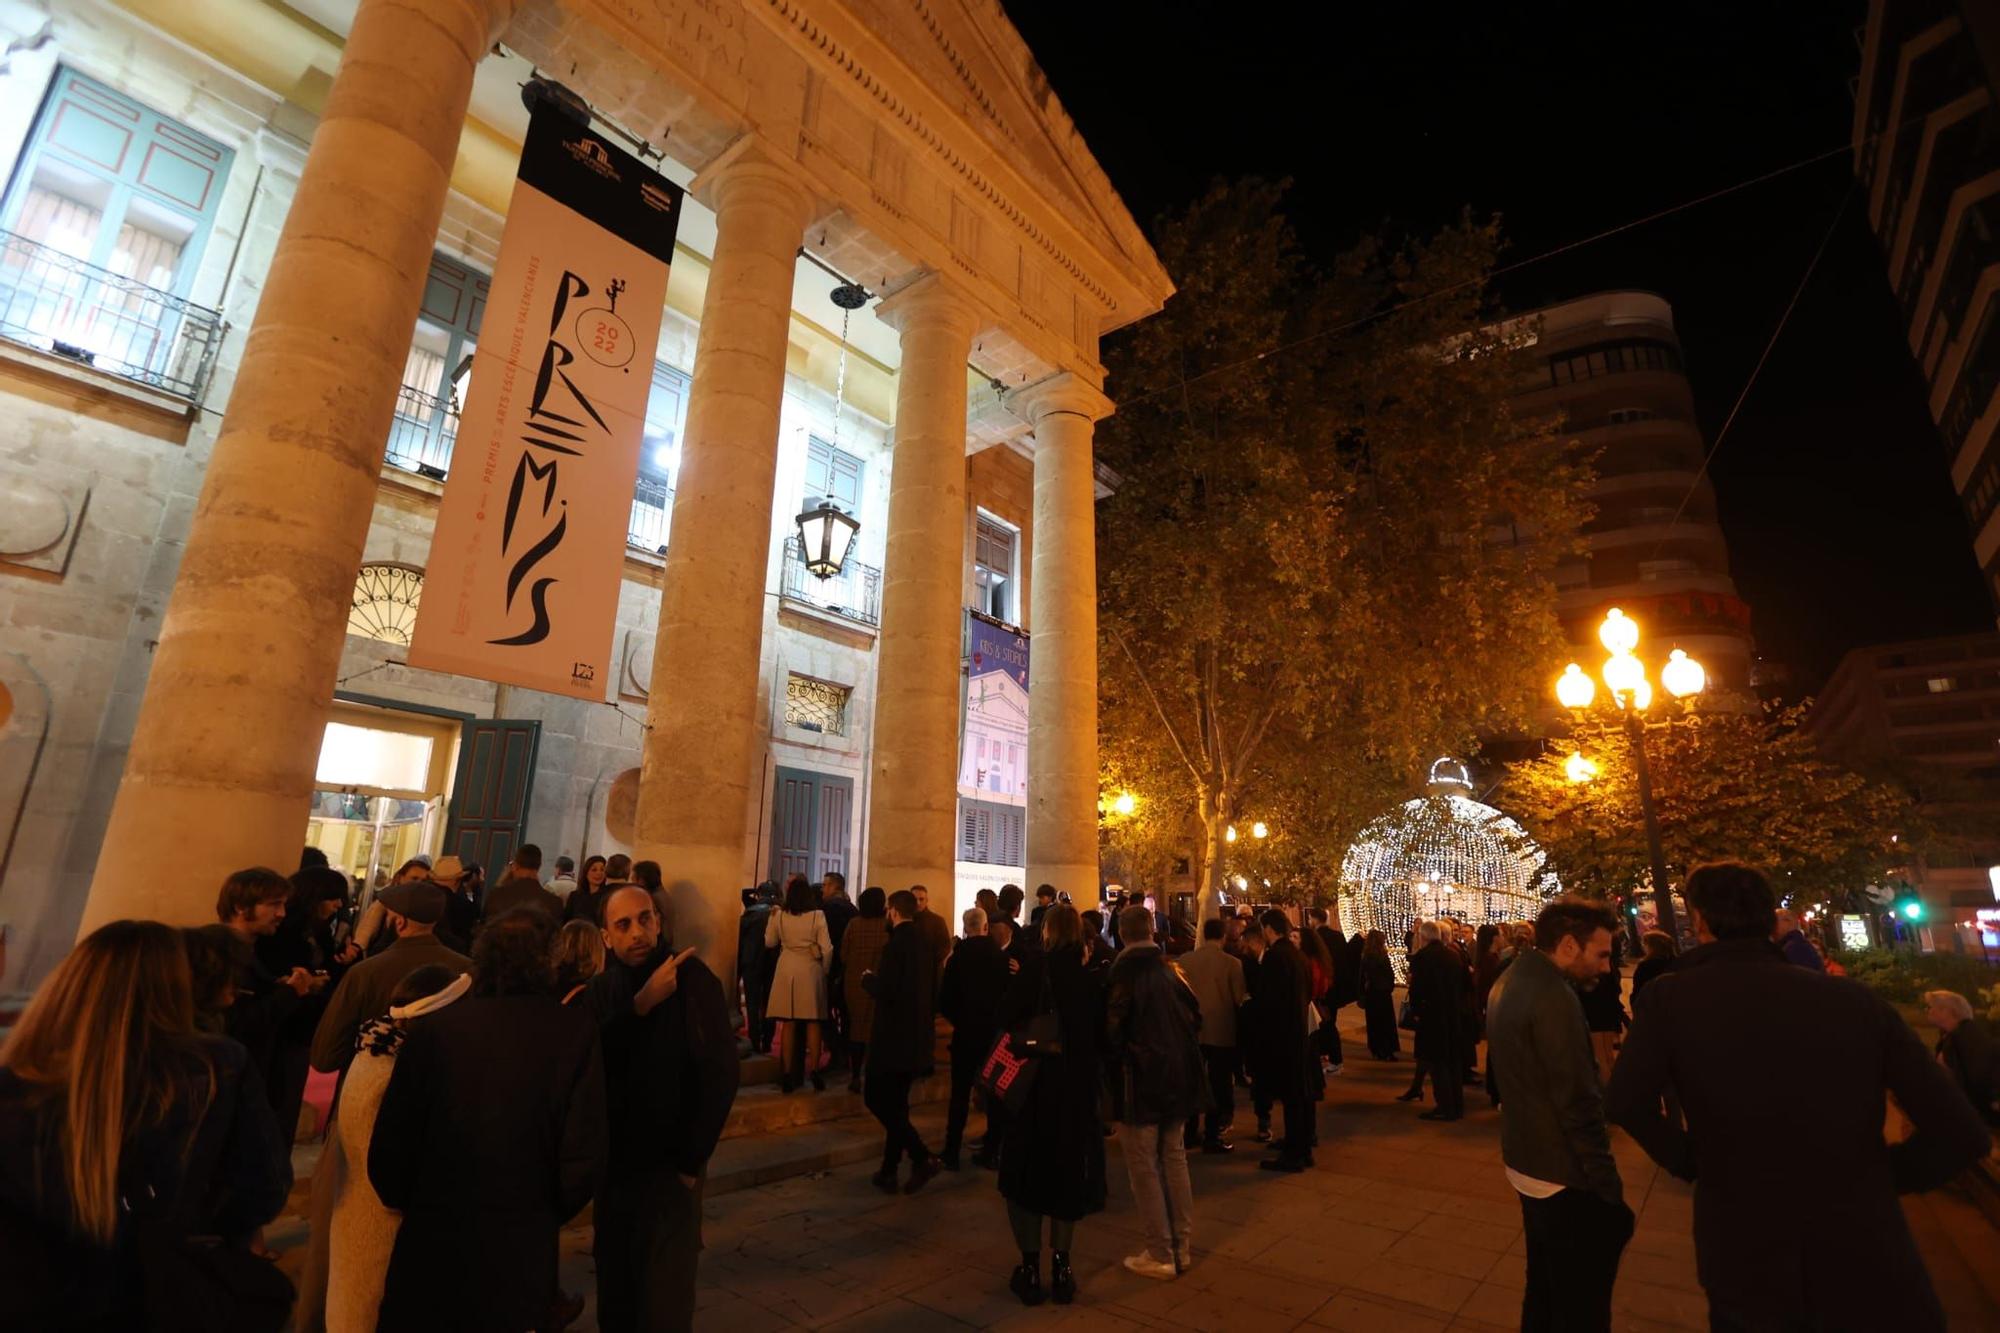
[(114, 1109)]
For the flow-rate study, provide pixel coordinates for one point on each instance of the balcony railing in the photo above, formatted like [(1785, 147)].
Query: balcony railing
[(422, 431), (54, 302), (854, 594), (652, 516)]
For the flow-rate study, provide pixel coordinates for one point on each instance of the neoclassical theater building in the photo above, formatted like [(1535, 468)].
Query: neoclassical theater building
[(245, 250)]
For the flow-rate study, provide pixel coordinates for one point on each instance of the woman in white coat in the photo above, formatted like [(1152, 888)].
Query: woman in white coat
[(361, 1229), (798, 985)]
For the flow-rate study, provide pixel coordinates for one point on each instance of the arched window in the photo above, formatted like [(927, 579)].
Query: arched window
[(385, 603)]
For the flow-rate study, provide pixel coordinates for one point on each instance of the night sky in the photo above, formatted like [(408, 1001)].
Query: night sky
[(1567, 119)]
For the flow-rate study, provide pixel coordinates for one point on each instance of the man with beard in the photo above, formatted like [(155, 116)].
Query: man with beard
[(671, 1071)]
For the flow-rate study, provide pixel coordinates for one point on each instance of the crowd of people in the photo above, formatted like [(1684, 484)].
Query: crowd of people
[(505, 1057)]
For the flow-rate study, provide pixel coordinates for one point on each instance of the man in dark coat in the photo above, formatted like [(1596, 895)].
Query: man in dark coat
[(490, 1136), (1437, 989), (1775, 1065), (1279, 993), (902, 1046), (521, 886), (1792, 941), (1151, 1029), (975, 979), (415, 909), (671, 1071), (1553, 1139), (754, 962)]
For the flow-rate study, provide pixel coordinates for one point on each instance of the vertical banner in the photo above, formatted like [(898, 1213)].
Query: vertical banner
[(529, 551), (993, 752)]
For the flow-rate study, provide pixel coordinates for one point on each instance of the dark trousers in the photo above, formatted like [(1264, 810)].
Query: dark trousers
[(1574, 1241), (1300, 1130), (1447, 1081), (648, 1241), (963, 1070), (1326, 1041), (888, 1099), (1220, 1061)]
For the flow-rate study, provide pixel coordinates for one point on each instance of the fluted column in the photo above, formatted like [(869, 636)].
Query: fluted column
[(1062, 623), (220, 772), (914, 785), (703, 742)]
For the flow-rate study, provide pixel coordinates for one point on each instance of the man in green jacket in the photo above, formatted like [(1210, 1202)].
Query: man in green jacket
[(1553, 1138)]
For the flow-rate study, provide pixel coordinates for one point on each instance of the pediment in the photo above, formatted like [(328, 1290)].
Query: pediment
[(968, 54)]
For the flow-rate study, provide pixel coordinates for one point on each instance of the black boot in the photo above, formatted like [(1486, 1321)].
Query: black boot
[(1027, 1280), (1062, 1278)]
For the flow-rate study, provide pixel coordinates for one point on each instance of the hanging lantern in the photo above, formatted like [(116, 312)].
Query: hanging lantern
[(826, 531)]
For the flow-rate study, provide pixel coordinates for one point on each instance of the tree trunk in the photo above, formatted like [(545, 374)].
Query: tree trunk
[(1213, 824)]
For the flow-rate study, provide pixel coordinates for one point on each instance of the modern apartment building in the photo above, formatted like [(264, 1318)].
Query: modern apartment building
[(1931, 702), (1927, 157), (1611, 366)]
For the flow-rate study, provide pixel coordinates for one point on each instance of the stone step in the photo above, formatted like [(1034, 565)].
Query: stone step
[(762, 1109), (747, 1161)]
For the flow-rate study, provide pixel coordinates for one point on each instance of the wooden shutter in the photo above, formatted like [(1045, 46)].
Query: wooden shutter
[(792, 825), (832, 817), (489, 800)]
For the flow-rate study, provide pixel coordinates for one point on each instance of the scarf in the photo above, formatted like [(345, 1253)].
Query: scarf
[(384, 1036)]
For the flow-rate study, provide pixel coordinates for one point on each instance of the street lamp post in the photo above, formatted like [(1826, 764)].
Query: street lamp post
[(1625, 677)]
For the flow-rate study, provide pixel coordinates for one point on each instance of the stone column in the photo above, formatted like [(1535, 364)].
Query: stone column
[(1062, 620), (220, 773), (918, 680), (704, 736)]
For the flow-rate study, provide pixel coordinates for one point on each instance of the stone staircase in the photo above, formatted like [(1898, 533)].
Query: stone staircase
[(772, 1135)]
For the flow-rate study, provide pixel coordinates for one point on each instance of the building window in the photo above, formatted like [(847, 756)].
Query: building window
[(1941, 684), (995, 551), (659, 460), (437, 373), (991, 834), (1621, 416), (815, 705), (1613, 358), (831, 474), (107, 215), (385, 603)]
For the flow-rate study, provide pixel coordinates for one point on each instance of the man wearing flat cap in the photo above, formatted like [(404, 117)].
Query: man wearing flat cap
[(414, 908)]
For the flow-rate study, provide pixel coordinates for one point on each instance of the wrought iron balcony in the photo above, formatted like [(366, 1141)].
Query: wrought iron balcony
[(652, 516), (854, 594), (422, 431), (56, 303)]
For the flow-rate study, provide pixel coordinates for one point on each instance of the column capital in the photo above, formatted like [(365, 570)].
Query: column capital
[(750, 167), (1065, 392), (931, 300)]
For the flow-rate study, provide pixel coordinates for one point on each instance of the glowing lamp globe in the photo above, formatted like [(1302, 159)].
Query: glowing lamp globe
[(1258, 830), (1642, 695), (1682, 675), (826, 531), (1229, 834), (1575, 689), (1578, 768), (1619, 633), (1624, 673), (1125, 804)]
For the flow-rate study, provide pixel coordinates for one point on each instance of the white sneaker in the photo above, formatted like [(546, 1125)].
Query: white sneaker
[(1145, 1265), (1336, 1069)]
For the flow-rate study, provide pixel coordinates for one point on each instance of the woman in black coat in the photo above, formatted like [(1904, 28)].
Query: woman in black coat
[(1052, 1153), (1378, 997)]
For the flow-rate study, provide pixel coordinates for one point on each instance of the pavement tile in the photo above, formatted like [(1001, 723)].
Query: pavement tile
[(1666, 1305), (1441, 1292), (1494, 1304), (1361, 1312), (896, 1316), (1470, 1231), (975, 1298), (1444, 1256)]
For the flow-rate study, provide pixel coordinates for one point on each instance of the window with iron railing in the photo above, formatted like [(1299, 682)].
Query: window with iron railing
[(853, 594), (104, 225)]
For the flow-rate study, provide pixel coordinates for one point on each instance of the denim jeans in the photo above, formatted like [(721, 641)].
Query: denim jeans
[(1156, 1160)]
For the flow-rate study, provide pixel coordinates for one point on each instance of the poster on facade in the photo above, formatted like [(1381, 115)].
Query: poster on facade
[(993, 752), (529, 551)]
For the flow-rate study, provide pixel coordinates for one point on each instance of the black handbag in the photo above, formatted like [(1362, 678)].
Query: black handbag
[(1406, 1017)]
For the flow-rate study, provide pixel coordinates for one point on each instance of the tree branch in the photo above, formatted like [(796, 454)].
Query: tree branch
[(1146, 681)]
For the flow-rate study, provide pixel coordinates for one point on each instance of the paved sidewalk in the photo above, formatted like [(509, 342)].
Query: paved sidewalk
[(1404, 1225)]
